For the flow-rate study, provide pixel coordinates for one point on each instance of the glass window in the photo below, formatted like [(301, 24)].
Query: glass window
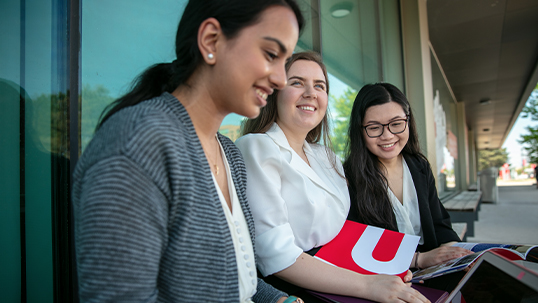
[(34, 164), (361, 41), (11, 104), (361, 44), (446, 142), (120, 39)]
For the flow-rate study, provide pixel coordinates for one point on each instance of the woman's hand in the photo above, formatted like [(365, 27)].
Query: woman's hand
[(284, 299), (389, 289), (408, 276), (308, 272), (440, 255)]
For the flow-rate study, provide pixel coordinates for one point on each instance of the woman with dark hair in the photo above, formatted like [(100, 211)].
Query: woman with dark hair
[(161, 213), (297, 192), (391, 184)]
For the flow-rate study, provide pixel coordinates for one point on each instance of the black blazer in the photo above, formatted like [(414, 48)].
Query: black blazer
[(435, 220)]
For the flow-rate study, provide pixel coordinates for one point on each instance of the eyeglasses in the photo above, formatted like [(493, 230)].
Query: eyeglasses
[(395, 127)]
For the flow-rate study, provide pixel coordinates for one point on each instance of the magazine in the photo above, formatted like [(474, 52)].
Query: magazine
[(368, 249), (509, 251)]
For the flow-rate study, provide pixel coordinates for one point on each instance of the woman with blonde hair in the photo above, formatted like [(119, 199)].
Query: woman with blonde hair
[(297, 192)]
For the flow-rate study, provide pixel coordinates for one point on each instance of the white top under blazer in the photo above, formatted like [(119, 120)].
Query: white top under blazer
[(296, 207), (407, 212)]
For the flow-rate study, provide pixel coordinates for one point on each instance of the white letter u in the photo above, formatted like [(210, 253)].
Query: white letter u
[(363, 249)]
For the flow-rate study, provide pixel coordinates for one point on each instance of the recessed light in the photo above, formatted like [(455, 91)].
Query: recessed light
[(485, 101), (340, 10)]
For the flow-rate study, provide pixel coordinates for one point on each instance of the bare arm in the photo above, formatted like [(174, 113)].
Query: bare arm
[(311, 273)]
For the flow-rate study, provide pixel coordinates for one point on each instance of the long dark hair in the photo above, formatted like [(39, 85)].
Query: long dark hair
[(370, 203), (233, 16)]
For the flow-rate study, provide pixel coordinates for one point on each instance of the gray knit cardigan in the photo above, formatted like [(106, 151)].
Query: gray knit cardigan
[(149, 225)]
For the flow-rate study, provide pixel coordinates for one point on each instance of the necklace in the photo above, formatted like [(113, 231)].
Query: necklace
[(217, 152), (216, 157)]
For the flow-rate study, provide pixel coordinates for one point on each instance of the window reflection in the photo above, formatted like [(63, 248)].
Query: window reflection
[(120, 39), (361, 47), (365, 45), (34, 163), (446, 142), (341, 99)]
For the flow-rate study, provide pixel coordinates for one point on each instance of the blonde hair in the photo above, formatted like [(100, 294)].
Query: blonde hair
[(269, 113)]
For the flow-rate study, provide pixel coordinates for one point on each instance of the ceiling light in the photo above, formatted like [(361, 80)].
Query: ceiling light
[(485, 101), (341, 9)]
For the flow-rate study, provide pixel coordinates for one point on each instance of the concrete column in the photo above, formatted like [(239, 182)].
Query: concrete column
[(418, 72), (462, 178), (473, 163)]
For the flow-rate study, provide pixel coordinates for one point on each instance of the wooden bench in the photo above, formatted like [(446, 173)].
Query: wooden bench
[(473, 187), (464, 207), (461, 229)]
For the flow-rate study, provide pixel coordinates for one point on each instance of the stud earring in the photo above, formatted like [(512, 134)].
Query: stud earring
[(210, 56)]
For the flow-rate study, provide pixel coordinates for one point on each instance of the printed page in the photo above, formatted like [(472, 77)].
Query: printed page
[(370, 250)]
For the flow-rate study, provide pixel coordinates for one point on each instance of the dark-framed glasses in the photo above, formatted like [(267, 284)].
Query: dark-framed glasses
[(395, 127)]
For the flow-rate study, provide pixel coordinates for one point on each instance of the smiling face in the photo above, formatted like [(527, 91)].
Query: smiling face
[(387, 146), (249, 66), (302, 103)]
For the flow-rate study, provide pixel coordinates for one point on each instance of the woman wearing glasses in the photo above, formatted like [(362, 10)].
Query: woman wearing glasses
[(391, 184), (297, 192)]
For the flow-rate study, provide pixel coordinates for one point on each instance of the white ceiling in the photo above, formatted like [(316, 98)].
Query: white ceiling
[(488, 49)]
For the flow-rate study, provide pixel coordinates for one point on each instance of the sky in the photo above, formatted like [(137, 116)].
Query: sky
[(511, 143)]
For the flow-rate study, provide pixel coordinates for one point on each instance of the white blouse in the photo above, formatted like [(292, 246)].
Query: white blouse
[(244, 252), (407, 213), (296, 207)]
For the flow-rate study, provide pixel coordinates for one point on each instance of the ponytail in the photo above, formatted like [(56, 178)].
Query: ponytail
[(151, 83), (166, 77)]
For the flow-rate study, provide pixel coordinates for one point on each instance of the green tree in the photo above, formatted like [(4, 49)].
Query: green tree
[(342, 107), (94, 101), (50, 117), (530, 140), (492, 158)]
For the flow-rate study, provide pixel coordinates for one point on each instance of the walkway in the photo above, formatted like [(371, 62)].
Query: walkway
[(513, 219)]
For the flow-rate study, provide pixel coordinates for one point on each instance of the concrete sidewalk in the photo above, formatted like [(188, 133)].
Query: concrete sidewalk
[(513, 219)]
